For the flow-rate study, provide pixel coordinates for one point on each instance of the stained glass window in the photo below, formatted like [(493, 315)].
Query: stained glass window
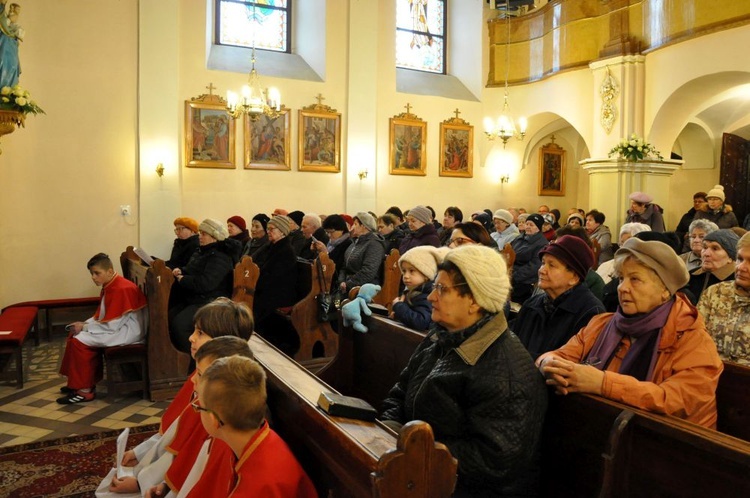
[(420, 35), (264, 23)]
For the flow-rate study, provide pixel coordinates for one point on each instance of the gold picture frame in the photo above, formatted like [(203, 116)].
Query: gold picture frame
[(209, 133), (408, 144), (319, 138), (268, 142), (456, 148), (552, 169)]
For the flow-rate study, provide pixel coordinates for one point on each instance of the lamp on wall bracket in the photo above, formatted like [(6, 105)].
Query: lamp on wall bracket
[(505, 128), (160, 170), (505, 179), (362, 173)]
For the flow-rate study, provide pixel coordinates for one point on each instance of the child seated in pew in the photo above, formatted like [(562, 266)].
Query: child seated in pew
[(418, 269), (232, 404), (119, 320), (219, 318)]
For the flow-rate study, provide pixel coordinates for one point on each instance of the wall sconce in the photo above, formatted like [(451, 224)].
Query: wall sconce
[(505, 179), (160, 169), (362, 174)]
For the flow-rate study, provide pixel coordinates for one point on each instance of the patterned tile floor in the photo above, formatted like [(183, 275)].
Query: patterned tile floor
[(31, 414)]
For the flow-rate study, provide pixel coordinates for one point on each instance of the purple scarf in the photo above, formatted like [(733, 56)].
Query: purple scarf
[(645, 328)]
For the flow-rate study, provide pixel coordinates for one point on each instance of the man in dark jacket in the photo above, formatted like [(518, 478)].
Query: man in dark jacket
[(527, 263), (683, 227), (312, 229)]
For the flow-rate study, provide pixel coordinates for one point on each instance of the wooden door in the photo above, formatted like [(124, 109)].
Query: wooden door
[(734, 174)]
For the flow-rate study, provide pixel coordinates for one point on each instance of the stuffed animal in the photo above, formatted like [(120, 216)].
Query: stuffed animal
[(352, 311)]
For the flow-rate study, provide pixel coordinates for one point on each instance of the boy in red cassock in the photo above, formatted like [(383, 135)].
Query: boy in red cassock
[(120, 319)]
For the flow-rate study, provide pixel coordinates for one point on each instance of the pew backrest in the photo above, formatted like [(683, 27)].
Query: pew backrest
[(391, 281), (347, 457), (317, 338), (733, 401), (245, 281)]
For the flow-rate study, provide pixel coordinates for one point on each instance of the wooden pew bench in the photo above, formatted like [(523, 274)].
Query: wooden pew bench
[(15, 325), (733, 401), (84, 305), (345, 457)]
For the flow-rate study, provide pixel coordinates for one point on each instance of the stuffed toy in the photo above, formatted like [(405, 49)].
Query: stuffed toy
[(352, 311)]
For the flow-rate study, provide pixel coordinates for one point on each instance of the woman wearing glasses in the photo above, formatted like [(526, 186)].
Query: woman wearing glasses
[(473, 381), (653, 353), (470, 233), (185, 242)]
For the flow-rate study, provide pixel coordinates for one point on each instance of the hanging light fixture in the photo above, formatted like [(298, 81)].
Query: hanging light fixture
[(253, 100), (505, 127)]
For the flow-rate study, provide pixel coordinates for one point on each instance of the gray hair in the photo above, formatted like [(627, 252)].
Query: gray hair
[(705, 225), (314, 219), (634, 228)]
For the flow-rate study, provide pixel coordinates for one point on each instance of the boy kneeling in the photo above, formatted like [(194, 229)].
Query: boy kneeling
[(232, 403)]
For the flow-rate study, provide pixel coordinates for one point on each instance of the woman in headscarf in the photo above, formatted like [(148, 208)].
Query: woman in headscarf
[(654, 352), (472, 380), (258, 235)]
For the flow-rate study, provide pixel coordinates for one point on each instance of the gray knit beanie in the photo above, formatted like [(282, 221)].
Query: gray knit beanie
[(214, 228), (486, 273), (422, 214), (727, 239), (367, 221)]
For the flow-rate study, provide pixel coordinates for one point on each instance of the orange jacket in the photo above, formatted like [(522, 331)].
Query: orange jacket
[(685, 376)]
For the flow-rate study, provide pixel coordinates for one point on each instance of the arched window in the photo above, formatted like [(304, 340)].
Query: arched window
[(264, 23), (420, 35)]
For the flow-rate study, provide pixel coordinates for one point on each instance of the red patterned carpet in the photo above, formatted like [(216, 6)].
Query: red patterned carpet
[(71, 466)]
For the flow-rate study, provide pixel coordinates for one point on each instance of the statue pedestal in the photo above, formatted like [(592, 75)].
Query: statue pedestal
[(611, 181), (9, 120)]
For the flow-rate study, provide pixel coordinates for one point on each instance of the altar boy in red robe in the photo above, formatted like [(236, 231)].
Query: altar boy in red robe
[(232, 404), (120, 319)]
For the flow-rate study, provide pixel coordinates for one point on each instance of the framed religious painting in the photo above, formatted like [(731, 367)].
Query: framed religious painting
[(551, 169), (209, 133), (267, 141), (408, 144), (456, 148), (319, 138)]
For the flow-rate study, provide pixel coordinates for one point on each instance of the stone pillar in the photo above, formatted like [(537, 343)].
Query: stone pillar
[(611, 181)]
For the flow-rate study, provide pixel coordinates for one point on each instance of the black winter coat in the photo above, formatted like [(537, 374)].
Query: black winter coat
[(543, 326), (307, 252), (254, 246), (277, 283), (363, 260), (484, 399), (417, 312), (182, 250), (210, 273), (297, 240), (527, 261), (425, 236)]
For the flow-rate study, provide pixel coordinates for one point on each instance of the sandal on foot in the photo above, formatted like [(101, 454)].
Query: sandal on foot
[(76, 397)]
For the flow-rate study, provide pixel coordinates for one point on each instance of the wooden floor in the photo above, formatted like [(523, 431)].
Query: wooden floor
[(31, 414)]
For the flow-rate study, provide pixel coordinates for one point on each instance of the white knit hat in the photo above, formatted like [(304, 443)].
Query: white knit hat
[(214, 228), (485, 271), (425, 259), (503, 214), (717, 191)]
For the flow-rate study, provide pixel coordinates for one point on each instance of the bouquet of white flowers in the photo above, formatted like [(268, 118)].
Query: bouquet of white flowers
[(634, 149), (19, 100)]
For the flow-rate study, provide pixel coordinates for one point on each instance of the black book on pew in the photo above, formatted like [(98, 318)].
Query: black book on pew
[(338, 405), (378, 309)]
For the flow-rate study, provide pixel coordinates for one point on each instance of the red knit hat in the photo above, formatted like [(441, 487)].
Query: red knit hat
[(238, 221)]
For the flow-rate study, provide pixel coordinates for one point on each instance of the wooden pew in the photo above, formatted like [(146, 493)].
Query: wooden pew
[(245, 280), (733, 400), (368, 365), (345, 457), (167, 367), (391, 281)]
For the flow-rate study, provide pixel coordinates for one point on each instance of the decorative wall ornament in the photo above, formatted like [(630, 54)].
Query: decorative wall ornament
[(608, 90), (551, 169), (209, 132), (456, 147), (319, 138), (408, 144)]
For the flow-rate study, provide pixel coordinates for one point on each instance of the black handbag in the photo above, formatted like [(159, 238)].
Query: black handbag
[(327, 309)]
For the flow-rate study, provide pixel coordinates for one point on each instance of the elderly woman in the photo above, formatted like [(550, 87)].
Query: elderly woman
[(642, 210), (697, 231), (258, 235), (505, 231), (185, 242), (472, 380), (606, 270), (338, 242), (726, 309), (423, 232), (575, 220), (654, 352), (364, 257), (208, 275), (237, 228), (600, 233), (470, 233), (547, 320), (527, 262), (717, 261), (717, 211)]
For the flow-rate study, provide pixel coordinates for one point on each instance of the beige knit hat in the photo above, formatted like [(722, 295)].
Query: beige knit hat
[(717, 191), (283, 223), (486, 273), (425, 259), (214, 228), (659, 257), (503, 214)]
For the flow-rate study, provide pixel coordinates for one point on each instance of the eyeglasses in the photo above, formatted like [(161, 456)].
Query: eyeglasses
[(198, 408), (459, 241), (273, 228), (179, 229), (440, 288)]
